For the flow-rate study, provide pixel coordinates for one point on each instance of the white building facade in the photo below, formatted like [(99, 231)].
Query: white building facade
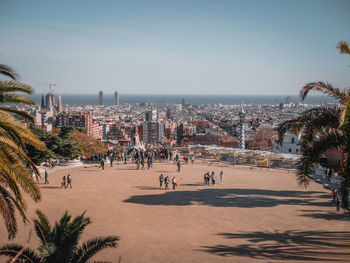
[(290, 144)]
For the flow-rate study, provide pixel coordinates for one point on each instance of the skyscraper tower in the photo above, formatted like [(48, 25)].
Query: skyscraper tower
[(116, 98), (59, 103), (49, 102), (50, 97), (42, 102), (100, 98), (241, 128)]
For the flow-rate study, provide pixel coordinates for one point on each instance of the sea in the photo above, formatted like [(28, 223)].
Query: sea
[(165, 99)]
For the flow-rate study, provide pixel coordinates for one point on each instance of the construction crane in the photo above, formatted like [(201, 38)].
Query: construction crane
[(51, 89)]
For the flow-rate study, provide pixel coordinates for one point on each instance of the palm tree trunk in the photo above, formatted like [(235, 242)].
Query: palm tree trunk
[(346, 178)]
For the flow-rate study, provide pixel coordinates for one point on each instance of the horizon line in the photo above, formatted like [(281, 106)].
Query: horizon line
[(172, 94)]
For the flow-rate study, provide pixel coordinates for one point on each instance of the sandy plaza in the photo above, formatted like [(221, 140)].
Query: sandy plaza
[(256, 215)]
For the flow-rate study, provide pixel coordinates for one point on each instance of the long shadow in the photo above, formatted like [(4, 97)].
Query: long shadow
[(197, 184), (247, 198), (50, 187), (288, 245), (328, 215), (149, 188), (130, 169)]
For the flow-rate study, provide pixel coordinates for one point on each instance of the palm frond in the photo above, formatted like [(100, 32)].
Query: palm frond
[(92, 247), (313, 120), (13, 129), (15, 98), (9, 179), (343, 47), (7, 210), (345, 193), (325, 88), (27, 255), (345, 116), (42, 227), (8, 143), (13, 86), (16, 174), (19, 113), (8, 71)]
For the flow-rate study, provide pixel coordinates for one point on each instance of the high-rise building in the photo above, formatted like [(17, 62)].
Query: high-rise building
[(50, 100), (116, 98), (42, 102), (100, 98), (151, 115), (75, 119), (59, 103), (241, 128), (153, 132)]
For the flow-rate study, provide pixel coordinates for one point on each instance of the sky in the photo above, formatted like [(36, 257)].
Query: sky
[(176, 47)]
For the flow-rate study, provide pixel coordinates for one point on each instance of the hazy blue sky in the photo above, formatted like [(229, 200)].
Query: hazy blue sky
[(208, 47)]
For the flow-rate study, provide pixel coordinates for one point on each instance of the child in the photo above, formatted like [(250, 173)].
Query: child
[(174, 183)]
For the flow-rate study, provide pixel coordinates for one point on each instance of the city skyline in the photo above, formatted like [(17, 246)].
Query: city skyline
[(187, 47)]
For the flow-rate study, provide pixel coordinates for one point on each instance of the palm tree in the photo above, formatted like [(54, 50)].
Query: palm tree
[(322, 129), (59, 243), (14, 163)]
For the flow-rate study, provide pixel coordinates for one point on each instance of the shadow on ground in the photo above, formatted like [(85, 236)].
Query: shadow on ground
[(289, 245), (247, 198), (50, 187), (148, 188), (319, 214)]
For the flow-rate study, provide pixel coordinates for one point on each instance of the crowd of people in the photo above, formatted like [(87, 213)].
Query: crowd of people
[(166, 182), (212, 178)]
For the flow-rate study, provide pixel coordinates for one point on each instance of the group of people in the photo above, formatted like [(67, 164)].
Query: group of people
[(329, 173), (144, 157), (212, 178), (51, 163), (185, 159), (66, 181), (166, 181)]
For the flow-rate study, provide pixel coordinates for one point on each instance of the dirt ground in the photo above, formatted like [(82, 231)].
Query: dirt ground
[(256, 215)]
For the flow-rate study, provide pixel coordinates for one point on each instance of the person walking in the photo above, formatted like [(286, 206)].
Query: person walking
[(221, 177), (102, 165), (69, 181), (148, 163), (213, 178), (174, 182), (161, 180), (166, 181), (192, 159), (205, 177), (111, 159), (178, 166), (46, 176), (63, 184), (334, 194), (338, 202)]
